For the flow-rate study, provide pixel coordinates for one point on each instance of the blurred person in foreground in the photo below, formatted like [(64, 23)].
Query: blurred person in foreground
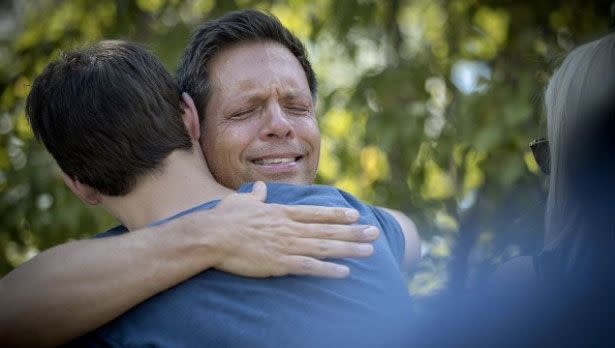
[(563, 295), (578, 256), (113, 103)]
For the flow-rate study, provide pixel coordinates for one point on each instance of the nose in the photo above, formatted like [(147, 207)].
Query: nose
[(277, 124)]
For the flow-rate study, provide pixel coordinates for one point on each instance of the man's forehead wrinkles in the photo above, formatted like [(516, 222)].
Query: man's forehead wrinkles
[(246, 84), (248, 89)]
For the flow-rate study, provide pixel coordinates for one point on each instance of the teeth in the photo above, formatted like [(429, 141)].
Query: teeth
[(267, 161)]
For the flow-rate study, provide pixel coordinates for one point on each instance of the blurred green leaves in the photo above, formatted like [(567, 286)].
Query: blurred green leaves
[(425, 106)]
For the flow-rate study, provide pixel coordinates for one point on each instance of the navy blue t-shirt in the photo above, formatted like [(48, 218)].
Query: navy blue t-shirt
[(218, 309)]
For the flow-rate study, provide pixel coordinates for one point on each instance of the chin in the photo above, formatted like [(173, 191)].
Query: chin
[(287, 179)]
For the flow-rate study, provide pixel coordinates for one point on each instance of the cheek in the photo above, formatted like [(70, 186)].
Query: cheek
[(215, 151), (208, 144), (311, 135), (228, 143), (309, 132)]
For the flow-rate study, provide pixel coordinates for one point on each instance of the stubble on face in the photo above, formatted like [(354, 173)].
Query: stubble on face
[(260, 122)]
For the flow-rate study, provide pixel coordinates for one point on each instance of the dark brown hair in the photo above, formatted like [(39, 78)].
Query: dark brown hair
[(235, 27), (108, 114)]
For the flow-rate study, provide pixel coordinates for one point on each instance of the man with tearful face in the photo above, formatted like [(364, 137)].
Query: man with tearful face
[(260, 120), (254, 92)]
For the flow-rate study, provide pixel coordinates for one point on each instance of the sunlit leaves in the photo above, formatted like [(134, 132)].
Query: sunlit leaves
[(294, 18), (20, 89), (530, 162), (374, 164), (494, 23), (474, 176), (438, 185), (427, 283), (22, 128), (329, 165), (402, 125), (423, 24), (4, 159), (150, 5), (446, 222), (490, 35), (337, 123)]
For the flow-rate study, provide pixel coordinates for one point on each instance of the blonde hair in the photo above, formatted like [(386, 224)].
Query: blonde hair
[(581, 82)]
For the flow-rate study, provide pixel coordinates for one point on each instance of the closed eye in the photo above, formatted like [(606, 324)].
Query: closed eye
[(298, 110), (241, 114)]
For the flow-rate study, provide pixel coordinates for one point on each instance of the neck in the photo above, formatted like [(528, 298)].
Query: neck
[(183, 182)]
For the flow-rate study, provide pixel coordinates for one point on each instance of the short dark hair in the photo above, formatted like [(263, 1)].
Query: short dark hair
[(108, 114), (235, 27)]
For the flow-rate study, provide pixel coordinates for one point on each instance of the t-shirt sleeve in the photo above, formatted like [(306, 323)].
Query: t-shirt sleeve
[(393, 234)]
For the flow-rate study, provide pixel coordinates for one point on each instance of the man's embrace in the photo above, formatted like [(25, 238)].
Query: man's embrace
[(156, 134), (254, 93)]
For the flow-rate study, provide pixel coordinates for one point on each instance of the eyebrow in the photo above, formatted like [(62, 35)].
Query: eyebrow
[(294, 94)]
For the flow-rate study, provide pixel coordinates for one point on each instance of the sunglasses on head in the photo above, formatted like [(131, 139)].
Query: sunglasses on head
[(540, 150)]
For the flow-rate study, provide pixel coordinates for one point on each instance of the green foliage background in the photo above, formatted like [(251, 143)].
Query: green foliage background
[(398, 128)]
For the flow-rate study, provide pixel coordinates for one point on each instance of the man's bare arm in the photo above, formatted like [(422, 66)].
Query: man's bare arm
[(412, 254), (73, 288)]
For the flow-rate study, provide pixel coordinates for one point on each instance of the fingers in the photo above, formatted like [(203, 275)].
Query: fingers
[(303, 265), (347, 233), (259, 191), (316, 214), (322, 248)]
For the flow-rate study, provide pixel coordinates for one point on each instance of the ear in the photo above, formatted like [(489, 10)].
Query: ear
[(191, 117), (86, 193)]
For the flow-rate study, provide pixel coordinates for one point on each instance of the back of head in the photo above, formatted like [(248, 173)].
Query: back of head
[(233, 28), (580, 108), (108, 114)]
